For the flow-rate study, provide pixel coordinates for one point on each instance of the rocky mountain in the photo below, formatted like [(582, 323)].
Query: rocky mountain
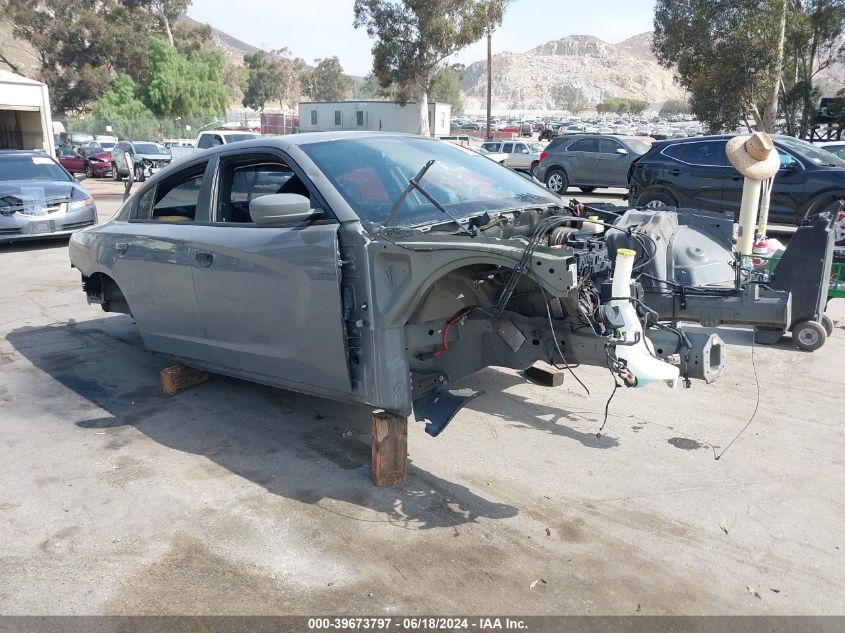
[(524, 81), (17, 53)]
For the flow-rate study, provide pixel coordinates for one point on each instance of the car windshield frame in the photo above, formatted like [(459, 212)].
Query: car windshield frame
[(810, 153), (464, 182), (45, 169), (159, 149)]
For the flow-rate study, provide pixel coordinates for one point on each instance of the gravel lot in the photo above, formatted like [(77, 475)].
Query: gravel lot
[(233, 498)]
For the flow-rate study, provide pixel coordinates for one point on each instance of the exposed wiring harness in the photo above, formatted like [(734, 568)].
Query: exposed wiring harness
[(459, 317), (557, 344)]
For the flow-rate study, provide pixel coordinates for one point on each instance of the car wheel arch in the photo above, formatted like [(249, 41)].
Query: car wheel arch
[(818, 203), (405, 305), (557, 169), (657, 192), (102, 289)]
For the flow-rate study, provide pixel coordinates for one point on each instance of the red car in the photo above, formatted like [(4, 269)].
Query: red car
[(94, 162)]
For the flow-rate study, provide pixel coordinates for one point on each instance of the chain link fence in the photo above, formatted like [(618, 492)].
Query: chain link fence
[(164, 129), (147, 129)]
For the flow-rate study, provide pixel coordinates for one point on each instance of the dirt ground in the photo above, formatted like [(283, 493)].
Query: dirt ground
[(233, 498)]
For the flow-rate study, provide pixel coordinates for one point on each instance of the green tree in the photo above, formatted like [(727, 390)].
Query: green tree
[(446, 87), (370, 88), (264, 79), (121, 108), (191, 37), (674, 106), (413, 37), (165, 13), (327, 81), (637, 106), (569, 97), (180, 85), (616, 105), (121, 102), (293, 71), (813, 44), (82, 44), (725, 53)]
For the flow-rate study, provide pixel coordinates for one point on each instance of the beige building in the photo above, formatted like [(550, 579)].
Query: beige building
[(374, 116)]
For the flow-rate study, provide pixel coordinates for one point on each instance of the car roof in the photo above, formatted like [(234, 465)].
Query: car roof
[(21, 152), (572, 137), (288, 141), (225, 132)]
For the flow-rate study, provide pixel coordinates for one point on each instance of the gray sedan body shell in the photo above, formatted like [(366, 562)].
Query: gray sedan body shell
[(326, 307)]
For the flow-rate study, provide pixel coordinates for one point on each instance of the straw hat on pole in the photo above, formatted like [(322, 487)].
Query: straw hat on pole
[(753, 155)]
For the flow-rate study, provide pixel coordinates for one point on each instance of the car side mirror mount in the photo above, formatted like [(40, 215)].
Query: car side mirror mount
[(621, 151), (281, 209), (79, 177)]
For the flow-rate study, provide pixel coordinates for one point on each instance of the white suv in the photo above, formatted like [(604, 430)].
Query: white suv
[(521, 155), (213, 138)]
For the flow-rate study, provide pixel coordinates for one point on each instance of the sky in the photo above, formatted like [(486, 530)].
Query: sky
[(314, 29)]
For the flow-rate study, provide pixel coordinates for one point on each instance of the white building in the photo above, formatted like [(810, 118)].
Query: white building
[(376, 116), (25, 121)]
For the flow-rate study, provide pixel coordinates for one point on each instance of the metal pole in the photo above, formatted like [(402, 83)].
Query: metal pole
[(489, 76), (765, 202), (748, 215)]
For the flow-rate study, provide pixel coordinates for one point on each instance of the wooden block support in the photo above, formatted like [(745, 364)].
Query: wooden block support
[(544, 374), (177, 378), (390, 448)]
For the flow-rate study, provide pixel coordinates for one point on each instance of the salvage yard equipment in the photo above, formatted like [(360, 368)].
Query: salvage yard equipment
[(691, 272)]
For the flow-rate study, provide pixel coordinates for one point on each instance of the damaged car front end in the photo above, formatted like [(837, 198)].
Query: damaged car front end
[(449, 278)]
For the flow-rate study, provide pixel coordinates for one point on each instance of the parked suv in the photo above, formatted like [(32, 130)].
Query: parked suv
[(521, 155), (147, 157), (588, 161), (213, 138), (695, 172)]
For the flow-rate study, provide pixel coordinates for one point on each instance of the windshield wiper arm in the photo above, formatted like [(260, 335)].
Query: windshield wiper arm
[(414, 183)]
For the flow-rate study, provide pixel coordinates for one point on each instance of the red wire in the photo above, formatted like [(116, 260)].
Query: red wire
[(448, 327)]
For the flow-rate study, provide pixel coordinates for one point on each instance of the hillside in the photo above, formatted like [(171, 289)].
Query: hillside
[(523, 81), (19, 53), (233, 48), (22, 55)]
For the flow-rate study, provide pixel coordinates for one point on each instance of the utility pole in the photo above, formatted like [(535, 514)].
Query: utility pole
[(489, 76)]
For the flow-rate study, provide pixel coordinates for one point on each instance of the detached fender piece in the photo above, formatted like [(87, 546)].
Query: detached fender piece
[(438, 408)]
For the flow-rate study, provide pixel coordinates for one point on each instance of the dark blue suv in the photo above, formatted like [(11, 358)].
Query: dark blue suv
[(695, 172)]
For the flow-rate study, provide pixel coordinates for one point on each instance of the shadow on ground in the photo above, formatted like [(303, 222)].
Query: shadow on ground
[(23, 246), (295, 446), (521, 412)]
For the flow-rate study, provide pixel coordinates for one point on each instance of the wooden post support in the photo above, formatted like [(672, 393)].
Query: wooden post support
[(390, 448), (544, 374), (177, 378)]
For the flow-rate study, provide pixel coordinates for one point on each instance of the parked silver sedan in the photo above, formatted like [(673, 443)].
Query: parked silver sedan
[(39, 199)]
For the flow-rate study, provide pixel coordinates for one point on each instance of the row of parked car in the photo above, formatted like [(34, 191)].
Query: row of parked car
[(693, 172), (95, 160), (42, 197)]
